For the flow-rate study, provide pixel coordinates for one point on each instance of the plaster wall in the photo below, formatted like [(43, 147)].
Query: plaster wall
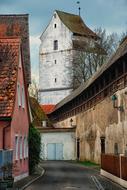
[(20, 128), (101, 120), (66, 138), (53, 72)]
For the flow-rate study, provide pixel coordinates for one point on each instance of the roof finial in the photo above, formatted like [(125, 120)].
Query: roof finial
[(78, 2)]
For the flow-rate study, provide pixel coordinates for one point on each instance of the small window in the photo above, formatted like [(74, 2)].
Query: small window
[(24, 153), (55, 80), (20, 60), (25, 147), (16, 147), (19, 94), (44, 123), (55, 61), (54, 25), (55, 44), (55, 15), (23, 98), (20, 147), (116, 149)]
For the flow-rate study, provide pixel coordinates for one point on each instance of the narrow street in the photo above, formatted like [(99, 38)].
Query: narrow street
[(64, 175)]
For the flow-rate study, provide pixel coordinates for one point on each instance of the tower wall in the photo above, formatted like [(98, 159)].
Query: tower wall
[(54, 64)]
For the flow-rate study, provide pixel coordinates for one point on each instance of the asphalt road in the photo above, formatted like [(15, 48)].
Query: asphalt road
[(64, 176)]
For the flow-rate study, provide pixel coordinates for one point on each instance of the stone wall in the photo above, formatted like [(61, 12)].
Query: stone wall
[(101, 120)]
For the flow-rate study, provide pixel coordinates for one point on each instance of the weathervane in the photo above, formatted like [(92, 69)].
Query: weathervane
[(78, 2)]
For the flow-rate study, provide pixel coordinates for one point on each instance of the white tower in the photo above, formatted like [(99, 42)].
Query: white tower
[(59, 42)]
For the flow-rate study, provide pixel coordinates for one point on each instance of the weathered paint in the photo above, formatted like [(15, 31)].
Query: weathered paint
[(101, 120), (67, 139)]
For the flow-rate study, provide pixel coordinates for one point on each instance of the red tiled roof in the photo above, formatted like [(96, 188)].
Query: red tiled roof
[(48, 108), (9, 59)]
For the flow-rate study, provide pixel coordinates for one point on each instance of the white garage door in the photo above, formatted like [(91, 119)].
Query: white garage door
[(55, 151)]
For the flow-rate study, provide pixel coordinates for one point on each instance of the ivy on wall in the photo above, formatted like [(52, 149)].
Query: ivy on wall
[(34, 141)]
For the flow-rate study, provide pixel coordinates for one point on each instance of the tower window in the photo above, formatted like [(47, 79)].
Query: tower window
[(54, 25), (55, 44), (55, 15), (55, 61), (55, 80)]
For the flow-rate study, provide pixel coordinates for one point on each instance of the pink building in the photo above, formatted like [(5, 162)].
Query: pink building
[(14, 111)]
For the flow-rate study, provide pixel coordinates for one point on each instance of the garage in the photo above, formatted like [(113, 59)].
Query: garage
[(55, 151), (58, 143)]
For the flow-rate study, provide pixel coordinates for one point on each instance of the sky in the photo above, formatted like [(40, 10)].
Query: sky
[(108, 14)]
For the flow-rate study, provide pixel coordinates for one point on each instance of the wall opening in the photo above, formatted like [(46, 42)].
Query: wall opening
[(78, 148), (102, 145)]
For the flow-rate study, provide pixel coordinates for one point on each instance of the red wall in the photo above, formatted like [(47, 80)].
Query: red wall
[(4, 134), (20, 127)]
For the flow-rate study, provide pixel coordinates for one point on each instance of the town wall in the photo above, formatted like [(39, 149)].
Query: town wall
[(102, 120)]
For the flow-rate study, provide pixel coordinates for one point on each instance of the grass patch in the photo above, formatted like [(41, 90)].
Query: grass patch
[(88, 164)]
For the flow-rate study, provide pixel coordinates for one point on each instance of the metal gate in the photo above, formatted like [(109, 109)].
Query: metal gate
[(55, 151)]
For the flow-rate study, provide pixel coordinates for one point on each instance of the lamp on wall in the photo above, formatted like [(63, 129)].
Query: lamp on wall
[(114, 99), (71, 121)]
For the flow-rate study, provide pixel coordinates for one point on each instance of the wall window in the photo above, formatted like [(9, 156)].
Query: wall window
[(54, 25), (19, 59), (20, 141), (55, 15), (25, 147), (55, 80), (23, 98), (55, 44), (19, 94), (55, 61), (16, 147)]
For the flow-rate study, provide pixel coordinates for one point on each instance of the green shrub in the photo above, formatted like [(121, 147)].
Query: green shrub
[(34, 141)]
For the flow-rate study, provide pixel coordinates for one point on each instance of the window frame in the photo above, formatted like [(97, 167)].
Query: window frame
[(16, 147), (20, 147), (23, 97), (19, 94), (55, 45)]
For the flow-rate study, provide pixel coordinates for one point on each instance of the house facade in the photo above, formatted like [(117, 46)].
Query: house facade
[(63, 38), (15, 77), (14, 112), (98, 110)]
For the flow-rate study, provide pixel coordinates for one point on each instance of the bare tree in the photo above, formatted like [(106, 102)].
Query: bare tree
[(86, 62), (33, 90), (123, 36)]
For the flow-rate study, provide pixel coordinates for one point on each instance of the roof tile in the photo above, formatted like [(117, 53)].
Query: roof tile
[(9, 56), (48, 108), (76, 24)]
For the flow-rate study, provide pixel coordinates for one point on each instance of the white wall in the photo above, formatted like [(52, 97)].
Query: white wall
[(48, 70), (65, 138)]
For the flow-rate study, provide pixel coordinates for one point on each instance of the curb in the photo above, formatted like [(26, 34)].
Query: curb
[(28, 184)]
